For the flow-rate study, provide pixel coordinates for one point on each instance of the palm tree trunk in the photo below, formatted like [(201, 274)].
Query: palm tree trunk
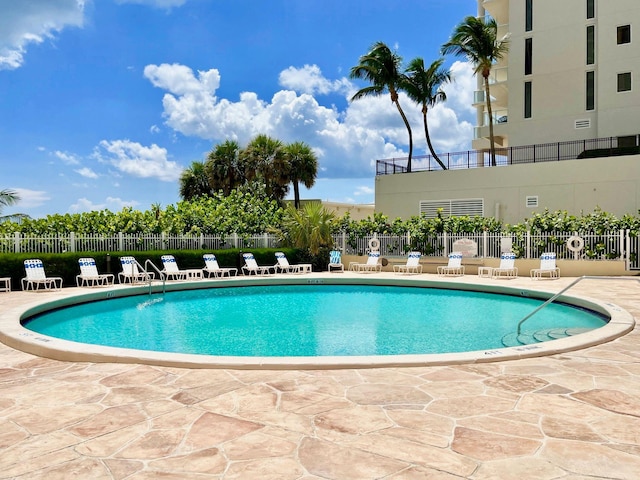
[(296, 195), (406, 122), (426, 133), (491, 139)]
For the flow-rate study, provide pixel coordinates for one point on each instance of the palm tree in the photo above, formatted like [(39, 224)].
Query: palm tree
[(223, 167), (194, 182), (381, 67), (303, 167), (9, 197), (477, 40), (264, 160), (309, 228), (424, 87)]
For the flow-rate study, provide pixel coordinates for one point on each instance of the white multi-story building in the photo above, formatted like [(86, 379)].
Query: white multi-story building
[(571, 75), (572, 72)]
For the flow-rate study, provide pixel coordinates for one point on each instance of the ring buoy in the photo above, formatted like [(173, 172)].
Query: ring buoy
[(575, 243), (374, 244)]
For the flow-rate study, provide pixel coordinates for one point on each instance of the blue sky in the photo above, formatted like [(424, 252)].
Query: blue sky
[(104, 102)]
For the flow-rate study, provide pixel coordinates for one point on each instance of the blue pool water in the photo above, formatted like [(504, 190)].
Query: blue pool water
[(307, 320)]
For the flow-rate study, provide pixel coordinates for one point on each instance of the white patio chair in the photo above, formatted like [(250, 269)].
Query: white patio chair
[(547, 267), (507, 268), (412, 265), (211, 267), (89, 276), (454, 267), (372, 265), (251, 267), (36, 277), (283, 265), (171, 270), (131, 273)]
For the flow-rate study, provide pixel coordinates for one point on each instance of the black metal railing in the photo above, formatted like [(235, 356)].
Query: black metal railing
[(546, 152)]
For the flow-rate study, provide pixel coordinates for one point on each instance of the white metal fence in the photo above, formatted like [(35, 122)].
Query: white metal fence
[(614, 245)]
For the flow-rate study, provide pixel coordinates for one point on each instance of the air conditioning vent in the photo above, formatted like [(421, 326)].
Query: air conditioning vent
[(584, 123), (452, 208), (532, 201)]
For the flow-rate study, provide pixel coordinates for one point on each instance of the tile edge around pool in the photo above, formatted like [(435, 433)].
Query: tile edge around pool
[(13, 334)]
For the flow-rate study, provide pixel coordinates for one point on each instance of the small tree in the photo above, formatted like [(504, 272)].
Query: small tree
[(303, 167), (10, 197)]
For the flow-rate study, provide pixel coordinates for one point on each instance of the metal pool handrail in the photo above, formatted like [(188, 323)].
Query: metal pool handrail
[(550, 300), (160, 275)]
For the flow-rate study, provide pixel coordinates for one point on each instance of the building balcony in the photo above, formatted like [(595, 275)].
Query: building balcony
[(498, 9)]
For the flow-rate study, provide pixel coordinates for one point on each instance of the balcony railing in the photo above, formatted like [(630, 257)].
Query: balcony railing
[(547, 152)]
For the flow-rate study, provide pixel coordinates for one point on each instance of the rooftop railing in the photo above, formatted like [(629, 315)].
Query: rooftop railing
[(546, 152)]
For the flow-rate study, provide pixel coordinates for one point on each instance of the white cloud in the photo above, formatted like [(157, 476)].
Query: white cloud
[(111, 203), (154, 129), (132, 158), (86, 172), (347, 142), (155, 3), (30, 198), (309, 79), (33, 21), (67, 158)]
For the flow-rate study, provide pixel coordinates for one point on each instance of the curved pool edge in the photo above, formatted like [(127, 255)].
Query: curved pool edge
[(13, 334)]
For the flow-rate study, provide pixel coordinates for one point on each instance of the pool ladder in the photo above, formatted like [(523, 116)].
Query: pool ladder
[(550, 300), (161, 275)]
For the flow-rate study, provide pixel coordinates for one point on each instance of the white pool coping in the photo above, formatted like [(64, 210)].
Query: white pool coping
[(13, 334)]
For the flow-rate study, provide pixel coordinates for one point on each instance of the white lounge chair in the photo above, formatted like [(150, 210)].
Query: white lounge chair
[(372, 265), (89, 276), (131, 273), (335, 261), (171, 270), (412, 265), (283, 265), (36, 277), (251, 266), (211, 267), (454, 267), (507, 268), (547, 267)]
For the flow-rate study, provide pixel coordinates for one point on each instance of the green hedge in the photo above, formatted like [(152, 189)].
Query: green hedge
[(65, 265)]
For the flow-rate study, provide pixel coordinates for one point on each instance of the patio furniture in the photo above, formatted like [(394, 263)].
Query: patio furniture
[(412, 265), (89, 275), (454, 267), (36, 277)]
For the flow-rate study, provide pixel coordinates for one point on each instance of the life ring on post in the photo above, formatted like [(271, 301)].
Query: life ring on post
[(374, 244), (575, 243)]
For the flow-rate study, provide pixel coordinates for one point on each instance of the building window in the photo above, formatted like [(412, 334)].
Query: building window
[(528, 17), (624, 34), (591, 8), (527, 99), (591, 45), (591, 90), (528, 56), (624, 82)]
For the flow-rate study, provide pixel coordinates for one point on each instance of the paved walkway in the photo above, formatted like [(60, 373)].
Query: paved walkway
[(573, 416)]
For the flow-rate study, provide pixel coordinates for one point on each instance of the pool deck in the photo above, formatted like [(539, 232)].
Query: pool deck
[(570, 416)]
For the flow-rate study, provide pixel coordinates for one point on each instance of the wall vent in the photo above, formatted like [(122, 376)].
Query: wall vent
[(584, 123), (532, 201), (452, 208)]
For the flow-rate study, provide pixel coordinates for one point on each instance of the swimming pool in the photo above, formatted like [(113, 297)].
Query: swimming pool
[(308, 320)]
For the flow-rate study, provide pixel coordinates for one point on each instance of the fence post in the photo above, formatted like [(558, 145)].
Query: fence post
[(528, 247), (266, 240), (446, 244), (121, 241), (484, 244), (72, 241), (16, 242), (409, 240), (627, 251), (235, 240)]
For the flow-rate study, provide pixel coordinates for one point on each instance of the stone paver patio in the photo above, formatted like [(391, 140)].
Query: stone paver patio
[(571, 416)]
